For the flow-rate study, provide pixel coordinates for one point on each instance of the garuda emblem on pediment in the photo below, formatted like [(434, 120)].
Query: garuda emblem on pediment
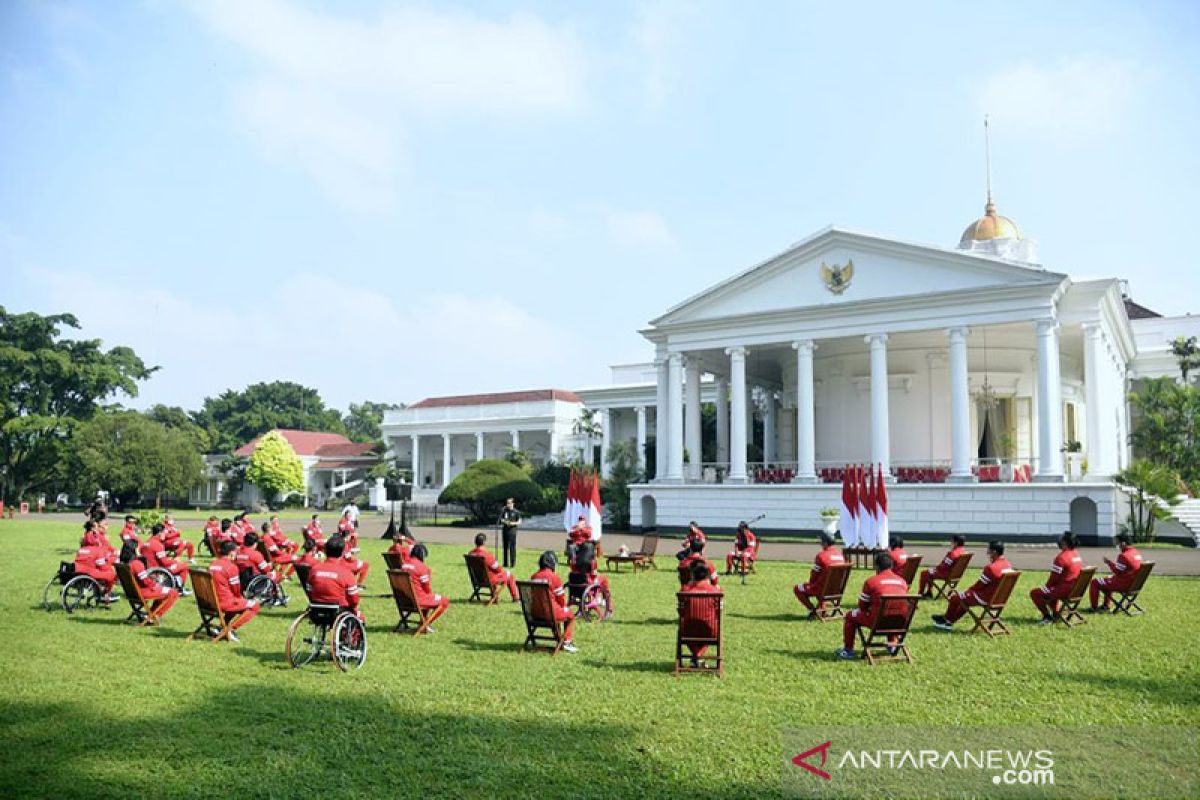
[(837, 278)]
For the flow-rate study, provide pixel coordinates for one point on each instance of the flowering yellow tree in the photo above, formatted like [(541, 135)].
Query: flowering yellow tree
[(275, 468)]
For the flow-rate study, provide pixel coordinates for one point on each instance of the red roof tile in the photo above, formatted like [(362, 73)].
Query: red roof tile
[(348, 449), (305, 443), (498, 397), (335, 464)]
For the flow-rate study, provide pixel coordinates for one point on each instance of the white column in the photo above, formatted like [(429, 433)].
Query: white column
[(880, 435), (960, 407), (770, 450), (479, 447), (661, 433), (1049, 403), (553, 453), (674, 471), (723, 421), (516, 439), (1098, 462), (806, 429), (416, 460), (737, 415), (605, 439), (691, 419), (640, 411), (445, 460)]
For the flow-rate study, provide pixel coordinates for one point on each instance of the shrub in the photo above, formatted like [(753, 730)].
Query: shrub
[(554, 474), (483, 486)]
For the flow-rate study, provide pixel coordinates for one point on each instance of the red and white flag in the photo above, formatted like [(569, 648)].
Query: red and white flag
[(881, 511), (866, 508), (594, 515), (583, 500), (848, 518), (574, 507)]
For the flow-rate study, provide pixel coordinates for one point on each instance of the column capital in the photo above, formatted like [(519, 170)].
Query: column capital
[(479, 434), (675, 358), (736, 352), (1046, 327), (445, 437), (1092, 330), (876, 339), (804, 346), (639, 410), (958, 332)]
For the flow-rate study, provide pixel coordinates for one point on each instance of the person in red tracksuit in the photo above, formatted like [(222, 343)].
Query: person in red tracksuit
[(161, 599), (360, 567), (332, 582), (562, 608), (129, 532), (154, 554), (422, 587), (695, 554), (402, 546), (701, 626), (213, 535), (1063, 573), (229, 589), (745, 545), (980, 593), (250, 562), (583, 573), (580, 532), (497, 575), (280, 538), (346, 530), (97, 563), (313, 531), (957, 548), (827, 556), (311, 555), (898, 555), (92, 537), (884, 583), (279, 556), (174, 541), (1123, 569)]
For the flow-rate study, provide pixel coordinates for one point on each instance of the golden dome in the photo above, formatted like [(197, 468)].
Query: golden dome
[(990, 226)]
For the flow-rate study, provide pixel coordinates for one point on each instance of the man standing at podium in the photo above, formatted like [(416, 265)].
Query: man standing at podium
[(510, 519)]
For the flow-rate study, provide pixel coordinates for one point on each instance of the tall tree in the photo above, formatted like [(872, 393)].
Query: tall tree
[(236, 417), (177, 419), (1166, 429), (132, 456), (275, 468), (364, 420), (47, 384)]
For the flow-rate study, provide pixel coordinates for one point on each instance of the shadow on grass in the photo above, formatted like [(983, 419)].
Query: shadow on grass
[(821, 654), (784, 617), (313, 744), (492, 647), (665, 666), (1161, 691), (648, 621)]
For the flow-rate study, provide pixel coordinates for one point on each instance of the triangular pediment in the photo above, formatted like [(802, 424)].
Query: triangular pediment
[(836, 266)]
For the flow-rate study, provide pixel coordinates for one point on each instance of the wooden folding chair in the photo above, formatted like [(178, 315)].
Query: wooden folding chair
[(481, 583), (641, 560), (543, 631), (393, 560), (987, 617), (1126, 601), (141, 612), (887, 637), (942, 587), (700, 610), (912, 566), (1068, 610), (406, 603), (214, 622), (829, 601)]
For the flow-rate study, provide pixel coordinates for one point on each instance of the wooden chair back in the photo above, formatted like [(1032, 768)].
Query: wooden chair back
[(836, 578), (393, 560), (959, 567), (1139, 578), (910, 569), (987, 617), (139, 609), (886, 639), (649, 545), (477, 571), (1004, 588), (699, 626), (1068, 612), (213, 621), (263, 551), (1080, 587), (1126, 601), (537, 607), (402, 591)]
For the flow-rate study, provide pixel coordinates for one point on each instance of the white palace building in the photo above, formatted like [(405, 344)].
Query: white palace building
[(992, 390)]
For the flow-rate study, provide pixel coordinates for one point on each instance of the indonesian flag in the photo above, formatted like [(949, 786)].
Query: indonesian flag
[(595, 517), (574, 504), (583, 500), (848, 519), (881, 511), (866, 508)]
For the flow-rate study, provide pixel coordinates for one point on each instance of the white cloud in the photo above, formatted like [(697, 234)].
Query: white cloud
[(658, 33), (1075, 98), (639, 229), (334, 91)]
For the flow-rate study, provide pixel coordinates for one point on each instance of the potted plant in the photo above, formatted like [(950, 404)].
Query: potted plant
[(1074, 452), (829, 520)]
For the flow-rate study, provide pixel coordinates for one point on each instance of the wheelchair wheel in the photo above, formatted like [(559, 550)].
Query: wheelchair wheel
[(305, 641), (349, 642), (594, 605), (163, 578), (81, 593), (52, 594), (263, 589)]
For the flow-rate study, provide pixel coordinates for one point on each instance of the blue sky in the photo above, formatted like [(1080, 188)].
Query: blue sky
[(390, 201)]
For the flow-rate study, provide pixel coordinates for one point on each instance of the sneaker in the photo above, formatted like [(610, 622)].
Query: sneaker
[(570, 648), (185, 592), (891, 651), (191, 561), (233, 637), (695, 662), (941, 623), (1046, 621), (845, 654), (354, 550), (430, 629), (813, 615)]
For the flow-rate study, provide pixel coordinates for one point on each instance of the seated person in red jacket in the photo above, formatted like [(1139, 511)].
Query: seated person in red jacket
[(154, 553), (562, 609), (695, 554), (92, 537), (357, 565), (980, 592), (212, 534), (280, 538), (280, 558), (957, 548), (497, 575), (745, 546), (694, 534), (311, 555), (422, 587), (699, 580), (1123, 569), (174, 541), (401, 545), (1063, 572), (583, 573), (229, 589), (827, 556), (97, 563), (898, 555), (580, 532), (882, 584), (332, 582), (347, 531), (159, 598), (234, 530), (129, 532), (250, 561), (313, 531)]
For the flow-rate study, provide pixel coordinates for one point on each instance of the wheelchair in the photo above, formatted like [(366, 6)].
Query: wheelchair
[(590, 600), (52, 594), (265, 590), (327, 629)]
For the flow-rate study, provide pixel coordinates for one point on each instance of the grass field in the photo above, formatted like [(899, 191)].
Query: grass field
[(93, 708)]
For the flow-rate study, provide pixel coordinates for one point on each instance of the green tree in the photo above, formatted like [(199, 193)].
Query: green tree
[(1166, 428), (364, 420), (1187, 353), (47, 384), (483, 486), (275, 468), (132, 456), (235, 417), (177, 419), (623, 470), (588, 426), (1148, 486)]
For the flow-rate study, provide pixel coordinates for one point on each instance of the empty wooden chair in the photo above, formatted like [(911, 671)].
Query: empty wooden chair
[(642, 559), (141, 612), (481, 583), (910, 569), (214, 623), (987, 617), (1068, 610), (1126, 601), (406, 603), (543, 630), (829, 601), (699, 640), (887, 637), (942, 587)]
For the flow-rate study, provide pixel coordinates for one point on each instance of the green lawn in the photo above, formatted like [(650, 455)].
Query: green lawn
[(93, 708)]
